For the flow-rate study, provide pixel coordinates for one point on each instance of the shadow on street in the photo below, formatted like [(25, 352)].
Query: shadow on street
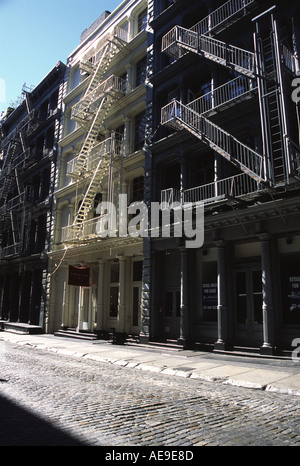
[(19, 427)]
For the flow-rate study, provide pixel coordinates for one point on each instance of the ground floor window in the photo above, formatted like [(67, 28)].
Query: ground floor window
[(113, 301), (114, 289), (290, 279), (209, 292)]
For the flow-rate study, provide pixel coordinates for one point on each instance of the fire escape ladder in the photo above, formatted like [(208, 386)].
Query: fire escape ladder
[(14, 226), (91, 111), (246, 159), (95, 104), (272, 104), (89, 140), (7, 172), (93, 187), (101, 67)]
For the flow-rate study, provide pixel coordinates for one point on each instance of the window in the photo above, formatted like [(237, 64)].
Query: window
[(119, 139), (140, 125), (114, 290), (113, 301), (209, 292), (97, 201), (142, 20), (138, 189), (137, 271), (141, 71), (290, 279)]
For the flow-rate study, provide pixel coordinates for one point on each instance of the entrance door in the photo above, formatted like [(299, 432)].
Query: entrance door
[(172, 314), (85, 309), (249, 320), (136, 308)]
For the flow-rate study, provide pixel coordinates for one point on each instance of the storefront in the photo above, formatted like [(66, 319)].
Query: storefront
[(98, 296)]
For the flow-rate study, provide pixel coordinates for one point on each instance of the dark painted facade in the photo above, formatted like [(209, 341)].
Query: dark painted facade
[(224, 131), (29, 147)]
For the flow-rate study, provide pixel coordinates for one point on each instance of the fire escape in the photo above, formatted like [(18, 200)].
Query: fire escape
[(96, 160), (15, 210), (259, 73)]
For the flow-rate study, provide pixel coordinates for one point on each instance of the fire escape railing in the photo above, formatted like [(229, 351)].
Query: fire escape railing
[(236, 187), (248, 160), (228, 55), (222, 15), (238, 88)]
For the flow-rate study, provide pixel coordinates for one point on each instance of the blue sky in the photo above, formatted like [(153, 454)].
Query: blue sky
[(36, 34)]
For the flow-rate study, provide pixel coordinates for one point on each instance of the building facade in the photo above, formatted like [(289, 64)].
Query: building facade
[(96, 272), (29, 152), (225, 134)]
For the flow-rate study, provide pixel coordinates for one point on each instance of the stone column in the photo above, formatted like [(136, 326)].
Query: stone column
[(64, 307), (122, 293), (100, 295), (184, 305), (148, 314), (127, 139), (222, 298), (267, 296), (130, 77)]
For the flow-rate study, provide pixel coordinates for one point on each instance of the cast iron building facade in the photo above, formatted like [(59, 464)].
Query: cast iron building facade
[(225, 133), (96, 279), (29, 148)]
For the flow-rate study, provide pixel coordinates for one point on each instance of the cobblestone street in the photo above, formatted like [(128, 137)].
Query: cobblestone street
[(59, 400)]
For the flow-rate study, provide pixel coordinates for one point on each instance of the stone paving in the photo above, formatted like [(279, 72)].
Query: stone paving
[(51, 398)]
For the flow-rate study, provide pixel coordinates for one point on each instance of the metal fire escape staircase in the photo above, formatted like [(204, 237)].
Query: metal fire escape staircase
[(12, 212), (242, 62), (91, 112), (275, 131), (250, 162), (14, 216), (263, 67)]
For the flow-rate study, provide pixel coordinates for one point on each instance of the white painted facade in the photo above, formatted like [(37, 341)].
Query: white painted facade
[(112, 299)]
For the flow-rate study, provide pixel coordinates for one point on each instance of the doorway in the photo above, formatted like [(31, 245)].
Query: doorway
[(84, 309), (248, 305), (136, 308), (172, 314)]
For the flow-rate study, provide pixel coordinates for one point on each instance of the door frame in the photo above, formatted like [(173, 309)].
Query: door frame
[(87, 324), (250, 332), (135, 329), (171, 322)]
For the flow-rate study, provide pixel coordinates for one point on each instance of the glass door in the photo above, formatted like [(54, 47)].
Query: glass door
[(172, 314), (248, 300), (85, 309), (136, 308)]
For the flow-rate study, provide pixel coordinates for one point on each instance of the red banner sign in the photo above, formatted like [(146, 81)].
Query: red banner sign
[(79, 276)]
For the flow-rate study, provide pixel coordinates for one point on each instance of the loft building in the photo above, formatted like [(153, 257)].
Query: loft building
[(96, 273), (29, 152), (225, 135)]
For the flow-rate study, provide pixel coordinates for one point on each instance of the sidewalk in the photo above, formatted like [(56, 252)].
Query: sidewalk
[(281, 376)]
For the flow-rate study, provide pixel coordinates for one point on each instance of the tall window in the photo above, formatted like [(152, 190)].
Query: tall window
[(142, 20), (140, 126), (141, 68), (138, 189), (119, 138), (114, 290)]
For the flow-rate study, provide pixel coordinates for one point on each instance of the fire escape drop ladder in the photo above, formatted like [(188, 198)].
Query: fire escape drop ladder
[(105, 164), (272, 104)]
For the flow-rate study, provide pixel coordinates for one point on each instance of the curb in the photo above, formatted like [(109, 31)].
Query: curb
[(184, 373)]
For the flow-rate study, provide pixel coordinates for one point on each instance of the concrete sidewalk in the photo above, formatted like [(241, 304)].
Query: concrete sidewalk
[(276, 375)]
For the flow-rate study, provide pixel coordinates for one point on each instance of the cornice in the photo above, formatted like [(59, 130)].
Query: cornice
[(95, 247)]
